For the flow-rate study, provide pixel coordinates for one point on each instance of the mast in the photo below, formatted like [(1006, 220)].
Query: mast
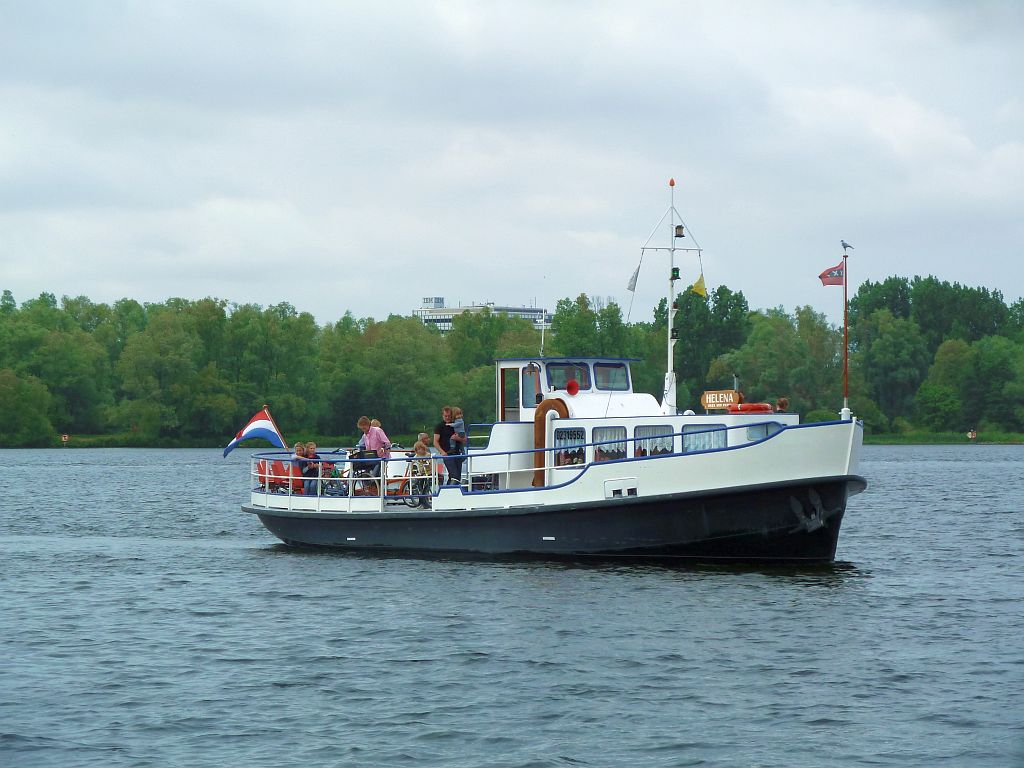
[(676, 232), (668, 397)]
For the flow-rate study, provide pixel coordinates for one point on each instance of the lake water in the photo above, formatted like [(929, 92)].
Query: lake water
[(146, 621)]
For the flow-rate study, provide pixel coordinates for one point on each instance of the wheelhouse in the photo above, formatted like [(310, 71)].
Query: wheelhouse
[(590, 384)]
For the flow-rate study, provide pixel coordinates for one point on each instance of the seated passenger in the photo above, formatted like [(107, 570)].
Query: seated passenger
[(298, 466), (420, 469), (311, 471)]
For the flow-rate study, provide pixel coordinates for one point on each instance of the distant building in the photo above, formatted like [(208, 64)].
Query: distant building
[(434, 313)]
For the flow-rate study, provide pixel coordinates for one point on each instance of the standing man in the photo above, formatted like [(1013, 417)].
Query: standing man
[(375, 440), (443, 443)]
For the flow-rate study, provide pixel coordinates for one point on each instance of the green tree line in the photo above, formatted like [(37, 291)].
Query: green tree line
[(925, 354)]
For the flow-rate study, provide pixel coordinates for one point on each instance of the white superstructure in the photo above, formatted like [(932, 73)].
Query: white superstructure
[(573, 430)]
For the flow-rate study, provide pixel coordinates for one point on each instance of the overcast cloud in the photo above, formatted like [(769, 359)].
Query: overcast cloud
[(362, 155)]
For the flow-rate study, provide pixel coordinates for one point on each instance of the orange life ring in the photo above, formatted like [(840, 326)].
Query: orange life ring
[(750, 407), (540, 434)]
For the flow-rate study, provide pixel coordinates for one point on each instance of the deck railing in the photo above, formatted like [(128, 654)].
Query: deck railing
[(340, 475)]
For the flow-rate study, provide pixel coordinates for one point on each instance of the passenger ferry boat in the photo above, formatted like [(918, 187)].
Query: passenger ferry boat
[(579, 465)]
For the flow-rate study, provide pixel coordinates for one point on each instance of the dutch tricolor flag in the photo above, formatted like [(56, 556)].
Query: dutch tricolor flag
[(261, 425)]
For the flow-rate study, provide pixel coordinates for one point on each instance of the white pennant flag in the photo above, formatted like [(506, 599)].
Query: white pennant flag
[(632, 280)]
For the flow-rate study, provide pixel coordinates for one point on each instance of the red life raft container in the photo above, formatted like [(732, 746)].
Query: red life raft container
[(749, 408)]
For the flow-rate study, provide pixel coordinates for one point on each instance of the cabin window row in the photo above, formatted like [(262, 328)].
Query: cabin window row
[(611, 443)]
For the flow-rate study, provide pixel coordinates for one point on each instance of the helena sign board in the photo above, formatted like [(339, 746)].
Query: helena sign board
[(719, 398)]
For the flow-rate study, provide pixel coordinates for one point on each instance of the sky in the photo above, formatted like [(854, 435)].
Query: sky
[(359, 156)]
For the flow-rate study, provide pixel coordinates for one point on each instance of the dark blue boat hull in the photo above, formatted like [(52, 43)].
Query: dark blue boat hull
[(777, 523)]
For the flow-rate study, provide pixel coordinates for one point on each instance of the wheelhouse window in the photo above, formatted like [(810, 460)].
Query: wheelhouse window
[(559, 374), (532, 390), (703, 437), (761, 431), (653, 440), (611, 377), (609, 443), (569, 446)]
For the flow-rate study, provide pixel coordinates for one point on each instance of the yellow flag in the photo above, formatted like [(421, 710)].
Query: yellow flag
[(699, 288)]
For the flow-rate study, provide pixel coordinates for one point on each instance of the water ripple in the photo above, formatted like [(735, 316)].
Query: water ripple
[(166, 628)]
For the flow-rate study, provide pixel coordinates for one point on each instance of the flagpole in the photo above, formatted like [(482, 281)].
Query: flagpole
[(266, 409), (846, 340), (669, 361)]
